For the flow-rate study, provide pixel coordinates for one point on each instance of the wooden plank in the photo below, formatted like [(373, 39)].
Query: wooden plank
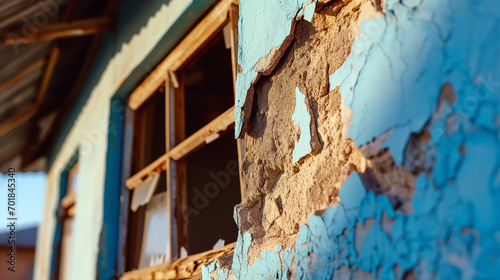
[(179, 198), (37, 151), (32, 68), (157, 165), (185, 268), (170, 166), (53, 58), (39, 5), (199, 36), (47, 75), (234, 12), (219, 125), (69, 200), (17, 119), (61, 30)]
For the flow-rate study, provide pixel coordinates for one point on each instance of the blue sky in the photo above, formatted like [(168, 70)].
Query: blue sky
[(30, 196)]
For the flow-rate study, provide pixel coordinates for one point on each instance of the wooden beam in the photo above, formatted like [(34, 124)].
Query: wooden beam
[(234, 13), (199, 36), (186, 268), (176, 169), (61, 30), (36, 66), (204, 136), (69, 200), (38, 150), (24, 13), (219, 125), (53, 58), (17, 120), (47, 75)]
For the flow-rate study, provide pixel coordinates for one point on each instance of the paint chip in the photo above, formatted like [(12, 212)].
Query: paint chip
[(302, 117)]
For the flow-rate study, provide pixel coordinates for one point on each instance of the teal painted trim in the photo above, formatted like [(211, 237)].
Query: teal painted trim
[(107, 258), (63, 183), (132, 17)]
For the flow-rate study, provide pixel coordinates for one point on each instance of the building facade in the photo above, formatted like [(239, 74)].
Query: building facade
[(321, 139)]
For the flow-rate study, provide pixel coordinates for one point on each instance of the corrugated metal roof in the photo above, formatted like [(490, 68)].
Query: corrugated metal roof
[(25, 114)]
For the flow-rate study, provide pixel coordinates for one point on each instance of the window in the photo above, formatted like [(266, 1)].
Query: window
[(67, 212), (185, 179)]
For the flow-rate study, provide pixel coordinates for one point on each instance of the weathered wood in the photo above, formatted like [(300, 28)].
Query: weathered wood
[(219, 125), (17, 119), (233, 21), (47, 75), (71, 211), (157, 165), (60, 30), (179, 197), (25, 13), (38, 150), (234, 12), (169, 165), (185, 268), (69, 200), (199, 36), (32, 68)]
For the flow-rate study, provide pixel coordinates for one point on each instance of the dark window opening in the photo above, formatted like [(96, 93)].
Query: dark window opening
[(149, 143), (212, 182), (208, 85)]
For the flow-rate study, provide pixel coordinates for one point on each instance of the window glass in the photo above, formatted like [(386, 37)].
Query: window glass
[(155, 247)]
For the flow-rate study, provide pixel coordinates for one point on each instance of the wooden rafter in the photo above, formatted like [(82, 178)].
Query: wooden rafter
[(47, 75), (61, 30), (17, 120), (24, 13), (53, 58), (38, 150), (32, 68)]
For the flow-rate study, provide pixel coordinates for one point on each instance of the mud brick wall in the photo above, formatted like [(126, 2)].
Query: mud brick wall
[(371, 140)]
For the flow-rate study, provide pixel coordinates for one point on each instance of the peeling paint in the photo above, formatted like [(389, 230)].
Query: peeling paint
[(307, 12), (302, 117), (257, 41), (392, 81)]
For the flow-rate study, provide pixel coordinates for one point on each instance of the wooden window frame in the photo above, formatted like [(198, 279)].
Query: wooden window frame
[(223, 16)]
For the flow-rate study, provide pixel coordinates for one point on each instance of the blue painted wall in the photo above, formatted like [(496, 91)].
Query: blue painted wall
[(393, 80)]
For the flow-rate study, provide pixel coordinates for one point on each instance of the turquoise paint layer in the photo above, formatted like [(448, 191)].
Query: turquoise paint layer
[(302, 117), (256, 40), (392, 80), (309, 11)]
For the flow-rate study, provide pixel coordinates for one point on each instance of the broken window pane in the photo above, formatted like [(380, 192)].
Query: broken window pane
[(142, 194), (155, 246)]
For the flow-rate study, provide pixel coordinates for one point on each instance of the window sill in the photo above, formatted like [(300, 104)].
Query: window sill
[(185, 268)]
